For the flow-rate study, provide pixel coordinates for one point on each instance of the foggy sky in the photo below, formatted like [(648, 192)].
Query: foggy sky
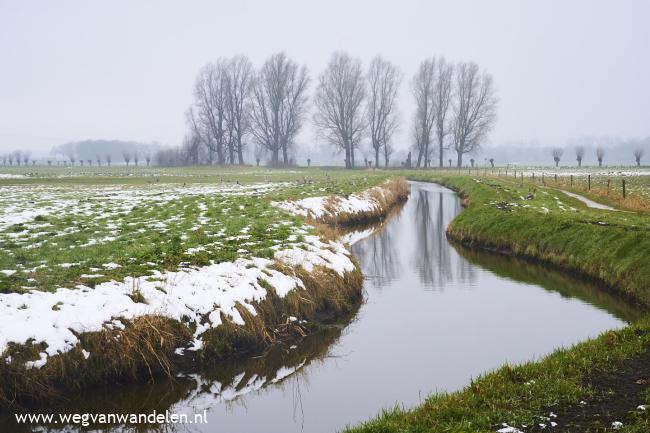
[(74, 70)]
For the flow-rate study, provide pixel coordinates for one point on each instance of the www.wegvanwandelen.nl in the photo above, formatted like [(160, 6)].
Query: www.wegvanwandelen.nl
[(87, 419)]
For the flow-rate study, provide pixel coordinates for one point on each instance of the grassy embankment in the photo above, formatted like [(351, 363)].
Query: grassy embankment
[(586, 387), (161, 221)]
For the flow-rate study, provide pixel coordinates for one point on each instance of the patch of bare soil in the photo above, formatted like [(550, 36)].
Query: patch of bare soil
[(617, 394)]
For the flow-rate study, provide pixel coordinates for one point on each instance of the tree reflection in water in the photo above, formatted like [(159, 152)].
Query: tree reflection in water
[(421, 227)]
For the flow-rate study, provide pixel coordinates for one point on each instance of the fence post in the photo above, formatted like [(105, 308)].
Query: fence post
[(555, 177), (571, 181), (623, 188), (589, 182), (609, 181)]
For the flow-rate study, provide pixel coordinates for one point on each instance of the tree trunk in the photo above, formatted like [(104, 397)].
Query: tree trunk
[(285, 155), (347, 157), (220, 158), (240, 153), (426, 154), (459, 163), (377, 157), (417, 165)]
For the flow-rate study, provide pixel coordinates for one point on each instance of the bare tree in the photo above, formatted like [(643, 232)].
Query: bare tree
[(26, 155), (474, 110), (191, 148), (638, 154), (208, 118), (580, 153), (127, 157), (108, 157), (136, 158), (259, 152), (279, 105), (18, 155), (339, 101), (147, 159), (5, 157), (98, 158), (557, 154), (239, 75), (70, 156), (384, 80), (600, 154), (422, 85), (197, 138), (442, 97), (10, 158)]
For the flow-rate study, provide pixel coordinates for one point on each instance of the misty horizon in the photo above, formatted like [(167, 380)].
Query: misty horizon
[(77, 72)]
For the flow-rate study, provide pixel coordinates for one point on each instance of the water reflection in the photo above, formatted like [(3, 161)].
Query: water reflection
[(430, 257), (229, 384), (435, 316)]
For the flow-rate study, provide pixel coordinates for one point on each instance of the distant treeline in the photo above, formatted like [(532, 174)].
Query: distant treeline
[(593, 151), (88, 152)]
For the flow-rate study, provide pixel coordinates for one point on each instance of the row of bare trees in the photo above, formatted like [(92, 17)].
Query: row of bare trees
[(19, 157), (455, 106), (557, 153), (234, 103), (16, 157)]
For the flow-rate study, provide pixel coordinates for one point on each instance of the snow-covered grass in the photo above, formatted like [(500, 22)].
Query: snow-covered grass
[(85, 260), (53, 232), (358, 207), (199, 296)]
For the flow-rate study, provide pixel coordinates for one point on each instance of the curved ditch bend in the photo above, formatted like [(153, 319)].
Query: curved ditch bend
[(435, 316)]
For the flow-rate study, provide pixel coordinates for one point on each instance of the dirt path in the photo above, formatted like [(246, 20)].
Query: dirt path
[(590, 203)]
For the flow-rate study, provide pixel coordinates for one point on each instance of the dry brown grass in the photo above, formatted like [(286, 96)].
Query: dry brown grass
[(631, 201), (327, 297), (145, 348), (393, 191)]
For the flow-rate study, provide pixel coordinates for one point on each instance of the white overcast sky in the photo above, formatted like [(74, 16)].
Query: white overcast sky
[(72, 70)]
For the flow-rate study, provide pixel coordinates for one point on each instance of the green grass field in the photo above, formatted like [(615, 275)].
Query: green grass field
[(64, 227), (144, 219), (540, 223)]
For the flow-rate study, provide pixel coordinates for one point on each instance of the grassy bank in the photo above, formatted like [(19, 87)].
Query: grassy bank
[(140, 241), (587, 387), (146, 346), (548, 226)]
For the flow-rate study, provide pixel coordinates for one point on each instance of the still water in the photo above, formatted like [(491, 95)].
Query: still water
[(435, 317)]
